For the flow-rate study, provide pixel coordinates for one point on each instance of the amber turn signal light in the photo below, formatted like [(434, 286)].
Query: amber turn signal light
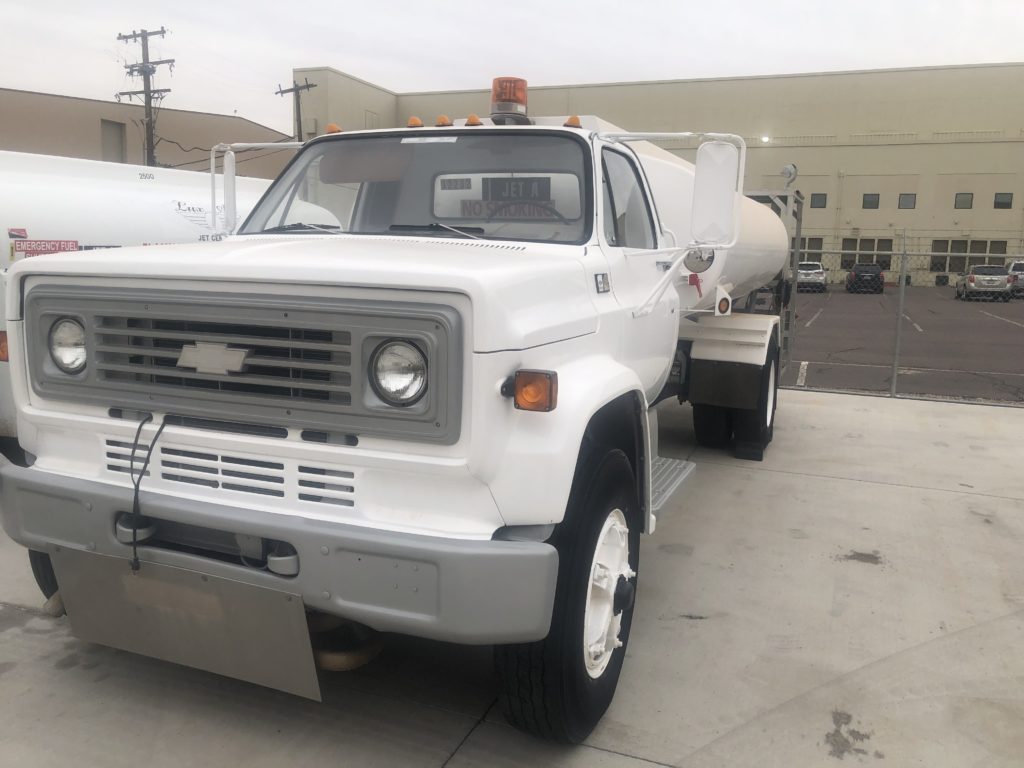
[(3, 347), (536, 390)]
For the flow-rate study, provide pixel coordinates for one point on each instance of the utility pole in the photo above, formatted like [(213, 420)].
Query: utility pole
[(296, 89), (147, 69)]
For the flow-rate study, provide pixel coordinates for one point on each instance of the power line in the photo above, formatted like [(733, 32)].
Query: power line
[(238, 161), (146, 69)]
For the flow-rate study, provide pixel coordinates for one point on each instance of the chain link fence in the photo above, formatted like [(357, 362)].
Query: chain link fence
[(946, 323)]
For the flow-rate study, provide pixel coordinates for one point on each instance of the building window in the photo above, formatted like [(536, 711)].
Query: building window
[(1003, 201), (997, 246), (884, 260), (866, 245), (940, 246), (974, 261), (818, 199), (870, 200), (884, 246), (958, 246), (963, 200), (814, 246), (979, 246), (908, 200), (957, 263), (938, 264)]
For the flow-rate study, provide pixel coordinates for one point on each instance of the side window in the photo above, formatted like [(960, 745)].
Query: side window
[(627, 218)]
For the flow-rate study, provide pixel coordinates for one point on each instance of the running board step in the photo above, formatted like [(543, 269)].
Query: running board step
[(666, 476)]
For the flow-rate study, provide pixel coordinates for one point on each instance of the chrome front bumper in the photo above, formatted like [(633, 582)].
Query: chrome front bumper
[(456, 590)]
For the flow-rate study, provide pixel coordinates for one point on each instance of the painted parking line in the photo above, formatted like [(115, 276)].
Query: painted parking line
[(919, 328), (808, 325), (1005, 320), (801, 379)]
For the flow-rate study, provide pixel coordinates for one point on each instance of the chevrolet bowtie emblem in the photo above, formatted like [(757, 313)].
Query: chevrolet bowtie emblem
[(217, 359)]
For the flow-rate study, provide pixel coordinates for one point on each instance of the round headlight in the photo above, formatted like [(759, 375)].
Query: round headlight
[(398, 373), (67, 345)]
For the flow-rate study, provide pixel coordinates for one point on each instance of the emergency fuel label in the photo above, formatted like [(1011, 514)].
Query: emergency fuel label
[(25, 248)]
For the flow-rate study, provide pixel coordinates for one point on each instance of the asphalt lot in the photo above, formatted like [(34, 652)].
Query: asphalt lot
[(949, 348), (856, 598)]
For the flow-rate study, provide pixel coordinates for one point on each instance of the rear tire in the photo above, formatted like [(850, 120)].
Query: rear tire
[(712, 425), (42, 570), (754, 428), (558, 688)]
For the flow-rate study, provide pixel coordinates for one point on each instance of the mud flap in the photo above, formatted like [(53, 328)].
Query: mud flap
[(211, 623)]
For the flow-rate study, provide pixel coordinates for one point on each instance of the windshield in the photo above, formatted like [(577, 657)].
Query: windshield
[(990, 270), (809, 266), (501, 185)]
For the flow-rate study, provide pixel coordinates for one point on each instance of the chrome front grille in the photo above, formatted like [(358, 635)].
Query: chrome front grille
[(268, 363), (286, 362)]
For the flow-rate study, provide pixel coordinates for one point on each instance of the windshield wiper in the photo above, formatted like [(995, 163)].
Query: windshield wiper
[(436, 226), (300, 227)]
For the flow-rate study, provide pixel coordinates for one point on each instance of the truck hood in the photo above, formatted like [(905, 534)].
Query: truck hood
[(523, 294)]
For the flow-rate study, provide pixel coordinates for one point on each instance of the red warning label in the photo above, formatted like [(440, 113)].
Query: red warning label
[(37, 247)]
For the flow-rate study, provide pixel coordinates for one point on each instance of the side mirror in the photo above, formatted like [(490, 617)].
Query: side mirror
[(717, 186)]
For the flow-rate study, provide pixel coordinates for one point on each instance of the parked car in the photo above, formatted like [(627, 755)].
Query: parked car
[(811, 276), (1016, 269), (986, 281), (865, 278)]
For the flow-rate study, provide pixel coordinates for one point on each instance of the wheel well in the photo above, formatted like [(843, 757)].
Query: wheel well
[(617, 424)]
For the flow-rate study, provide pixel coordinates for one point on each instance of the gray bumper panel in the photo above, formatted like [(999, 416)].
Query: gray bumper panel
[(464, 591)]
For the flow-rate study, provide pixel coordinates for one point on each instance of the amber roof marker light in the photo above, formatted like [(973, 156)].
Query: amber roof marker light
[(414, 122)]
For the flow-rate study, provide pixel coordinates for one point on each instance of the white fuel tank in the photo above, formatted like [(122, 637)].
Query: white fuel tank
[(756, 258), (50, 204)]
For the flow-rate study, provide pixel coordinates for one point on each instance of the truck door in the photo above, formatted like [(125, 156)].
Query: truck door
[(628, 233)]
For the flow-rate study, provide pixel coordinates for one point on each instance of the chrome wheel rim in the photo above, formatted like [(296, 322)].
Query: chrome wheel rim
[(601, 622)]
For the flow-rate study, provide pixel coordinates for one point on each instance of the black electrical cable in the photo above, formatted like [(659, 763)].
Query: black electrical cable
[(137, 481)]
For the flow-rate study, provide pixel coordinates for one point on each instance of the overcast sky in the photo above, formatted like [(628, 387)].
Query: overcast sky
[(231, 55)]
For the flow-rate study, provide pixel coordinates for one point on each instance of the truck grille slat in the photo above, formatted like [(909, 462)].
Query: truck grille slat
[(267, 385), (225, 338)]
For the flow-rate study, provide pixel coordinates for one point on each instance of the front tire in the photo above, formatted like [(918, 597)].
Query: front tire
[(42, 570), (558, 688)]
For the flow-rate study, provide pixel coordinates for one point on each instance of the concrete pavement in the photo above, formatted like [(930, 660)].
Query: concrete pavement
[(857, 597)]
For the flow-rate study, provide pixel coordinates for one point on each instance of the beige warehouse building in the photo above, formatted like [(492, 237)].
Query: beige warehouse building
[(936, 152), (45, 123)]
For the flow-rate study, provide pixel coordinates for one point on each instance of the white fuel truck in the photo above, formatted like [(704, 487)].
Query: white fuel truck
[(52, 204), (414, 392)]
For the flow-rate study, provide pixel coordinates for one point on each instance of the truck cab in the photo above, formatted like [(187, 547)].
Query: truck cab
[(414, 392)]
